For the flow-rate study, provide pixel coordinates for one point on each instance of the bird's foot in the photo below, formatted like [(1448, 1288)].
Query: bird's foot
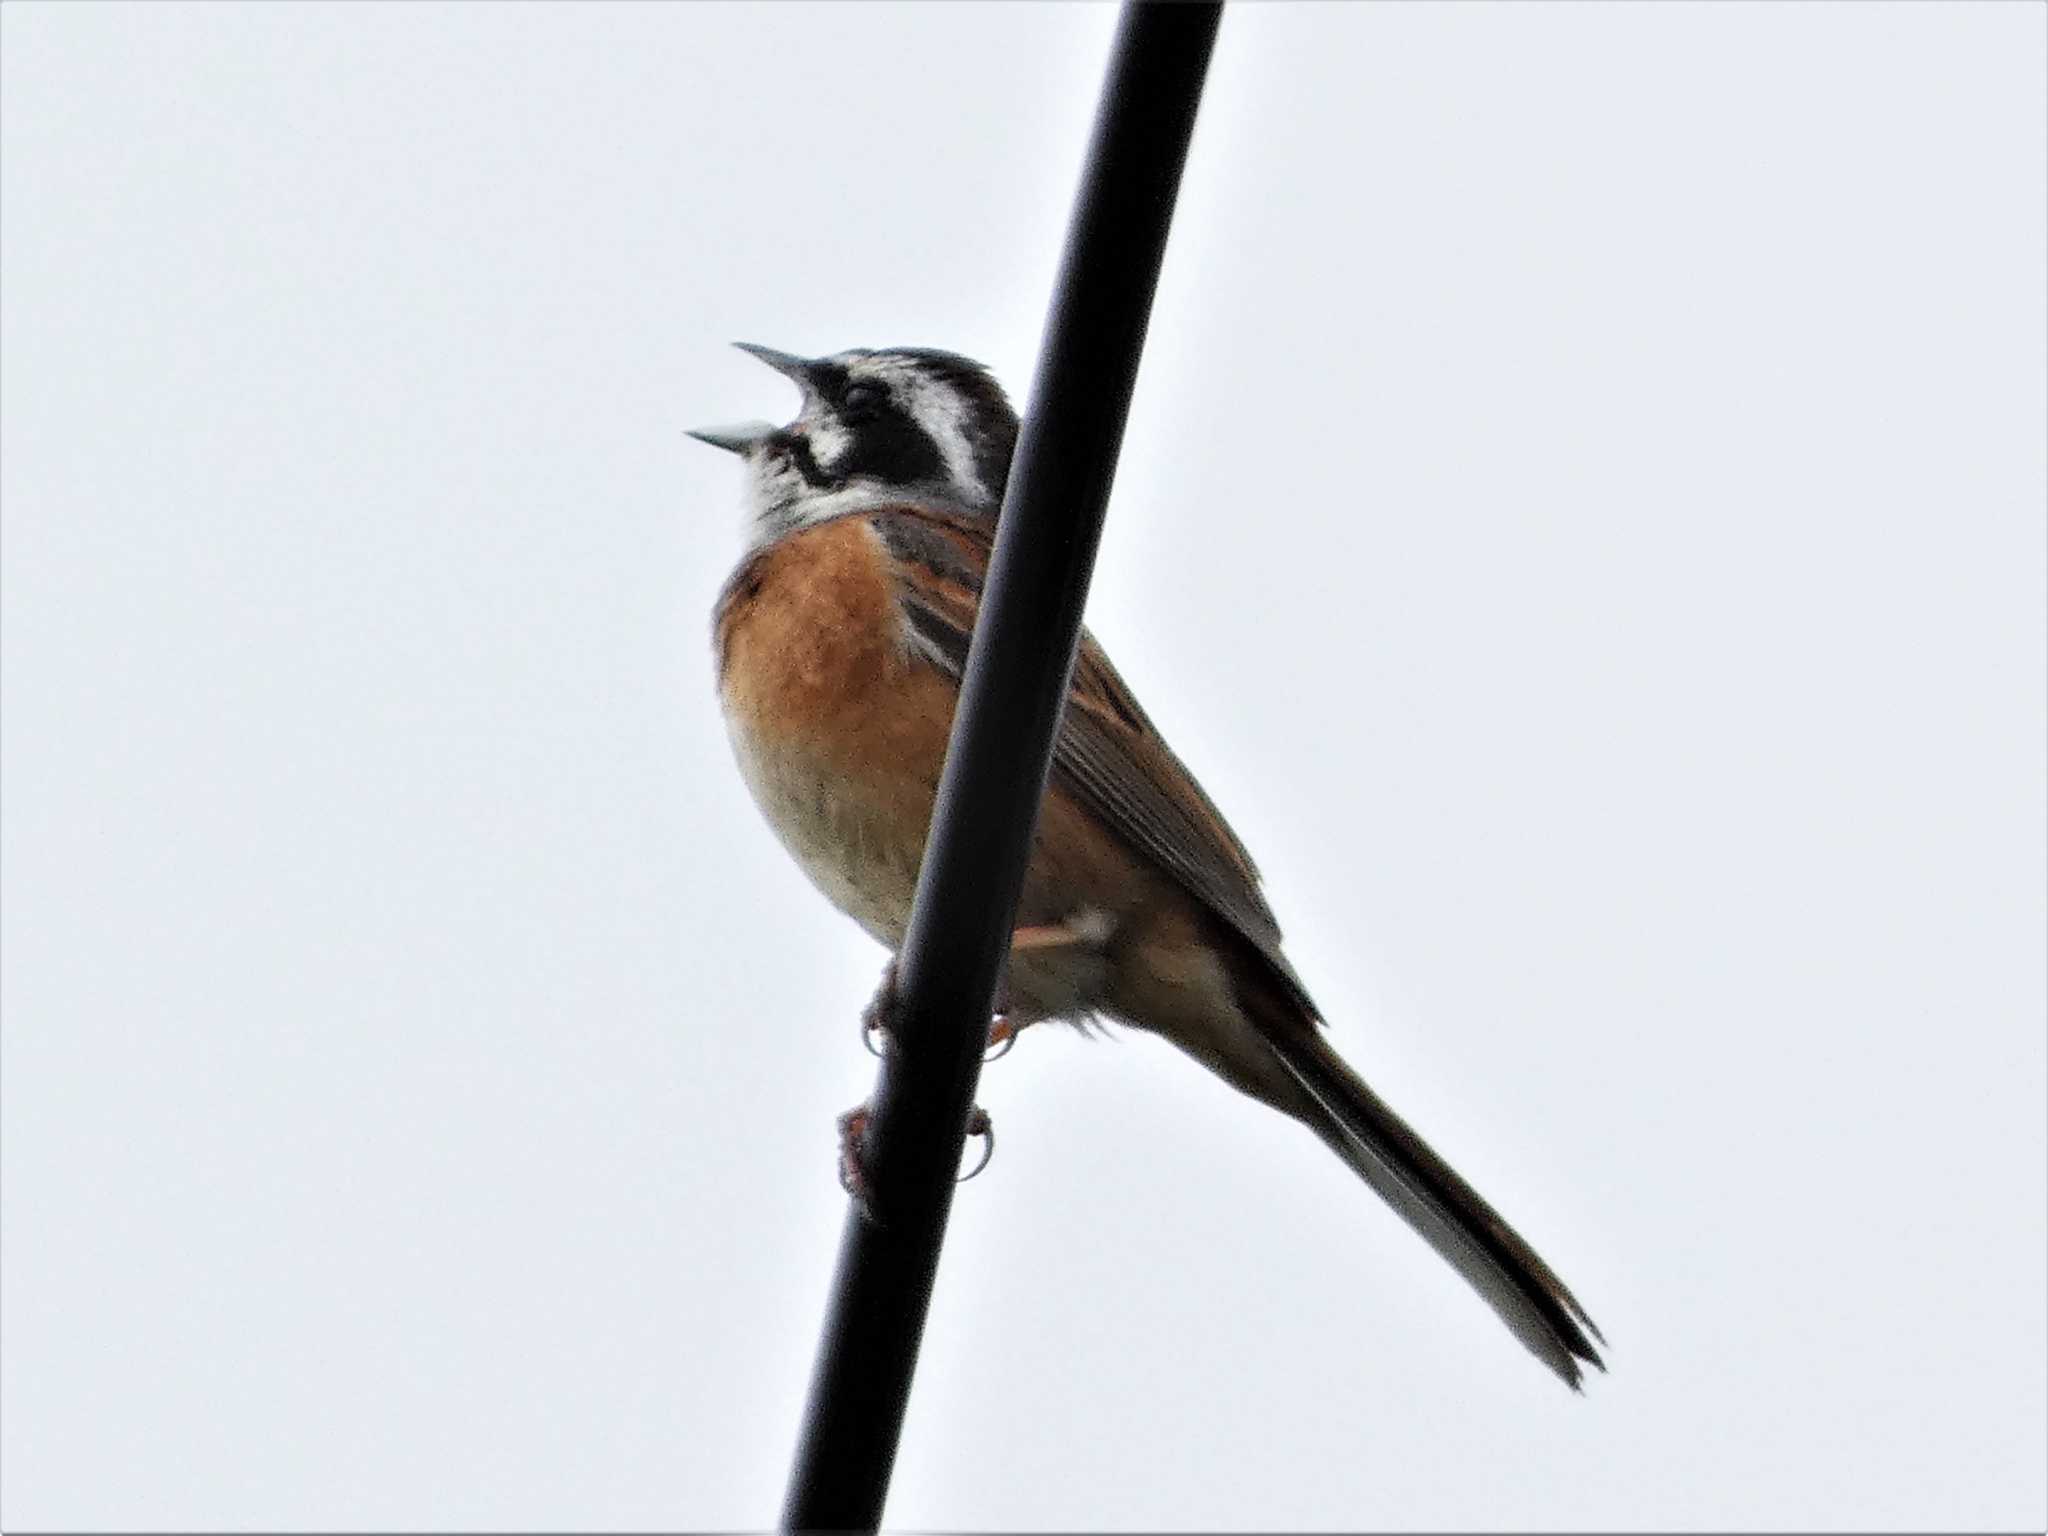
[(880, 1013), (853, 1169), (877, 1019), (1002, 1035)]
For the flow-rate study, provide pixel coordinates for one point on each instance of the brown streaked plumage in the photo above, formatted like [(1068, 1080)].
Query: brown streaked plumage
[(841, 639)]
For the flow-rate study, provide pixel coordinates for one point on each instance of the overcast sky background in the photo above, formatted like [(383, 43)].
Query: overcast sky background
[(1582, 516)]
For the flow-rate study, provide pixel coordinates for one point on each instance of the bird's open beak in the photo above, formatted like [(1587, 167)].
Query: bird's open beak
[(747, 436), (795, 369), (741, 439)]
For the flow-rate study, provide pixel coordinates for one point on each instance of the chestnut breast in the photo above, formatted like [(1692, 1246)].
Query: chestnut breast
[(839, 730)]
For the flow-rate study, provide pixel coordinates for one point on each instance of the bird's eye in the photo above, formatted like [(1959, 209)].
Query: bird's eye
[(862, 401)]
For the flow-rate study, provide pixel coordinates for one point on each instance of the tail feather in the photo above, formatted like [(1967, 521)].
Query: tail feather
[(1433, 1199)]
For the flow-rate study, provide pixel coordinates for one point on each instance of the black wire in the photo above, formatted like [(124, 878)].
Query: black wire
[(1016, 679)]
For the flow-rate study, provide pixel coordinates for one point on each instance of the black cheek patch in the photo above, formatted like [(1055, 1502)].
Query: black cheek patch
[(894, 450), (795, 447)]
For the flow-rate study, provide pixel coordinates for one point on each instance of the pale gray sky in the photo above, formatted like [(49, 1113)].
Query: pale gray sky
[(1582, 517)]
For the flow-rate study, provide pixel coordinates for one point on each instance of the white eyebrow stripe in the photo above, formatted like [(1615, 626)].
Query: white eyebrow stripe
[(942, 413), (939, 410)]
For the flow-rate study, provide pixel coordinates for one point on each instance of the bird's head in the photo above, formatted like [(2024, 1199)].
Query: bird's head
[(875, 426)]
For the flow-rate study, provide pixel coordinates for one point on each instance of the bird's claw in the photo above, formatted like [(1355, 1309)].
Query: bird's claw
[(880, 1013), (1002, 1038), (979, 1124), (1002, 1032)]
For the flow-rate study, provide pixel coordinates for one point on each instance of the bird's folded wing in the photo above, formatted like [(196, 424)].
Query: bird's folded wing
[(1107, 753)]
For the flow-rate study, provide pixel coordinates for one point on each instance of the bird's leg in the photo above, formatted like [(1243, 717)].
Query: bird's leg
[(1044, 936), (878, 1018)]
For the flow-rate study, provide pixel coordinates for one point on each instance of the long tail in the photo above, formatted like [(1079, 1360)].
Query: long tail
[(1446, 1210)]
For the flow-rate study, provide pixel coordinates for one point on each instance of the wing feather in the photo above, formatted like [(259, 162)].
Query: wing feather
[(1108, 753)]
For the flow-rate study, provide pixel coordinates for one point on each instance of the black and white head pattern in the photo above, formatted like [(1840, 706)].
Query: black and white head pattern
[(878, 426)]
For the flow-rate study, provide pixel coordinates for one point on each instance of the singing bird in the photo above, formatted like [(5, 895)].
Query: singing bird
[(841, 638)]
